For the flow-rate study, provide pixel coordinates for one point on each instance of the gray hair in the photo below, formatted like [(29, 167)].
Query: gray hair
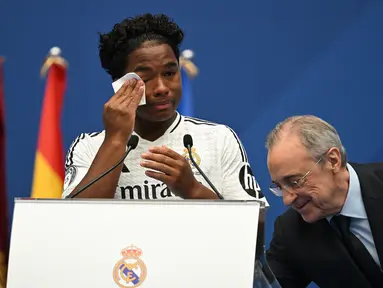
[(316, 135)]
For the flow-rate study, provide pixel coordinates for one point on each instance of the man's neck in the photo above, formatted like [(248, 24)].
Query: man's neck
[(151, 131), (343, 184)]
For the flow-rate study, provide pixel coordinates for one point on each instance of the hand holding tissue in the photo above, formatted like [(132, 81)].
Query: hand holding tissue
[(118, 83)]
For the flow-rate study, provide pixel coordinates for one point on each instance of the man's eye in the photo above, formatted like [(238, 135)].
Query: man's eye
[(292, 182), (170, 73)]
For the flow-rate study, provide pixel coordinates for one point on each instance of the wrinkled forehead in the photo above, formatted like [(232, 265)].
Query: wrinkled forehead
[(287, 157)]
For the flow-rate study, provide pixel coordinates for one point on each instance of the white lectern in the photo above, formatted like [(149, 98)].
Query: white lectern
[(65, 243)]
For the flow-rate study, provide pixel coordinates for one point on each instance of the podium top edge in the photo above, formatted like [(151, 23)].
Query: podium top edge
[(136, 201)]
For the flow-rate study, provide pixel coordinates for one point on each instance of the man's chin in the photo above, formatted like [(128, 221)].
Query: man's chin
[(158, 116), (311, 216)]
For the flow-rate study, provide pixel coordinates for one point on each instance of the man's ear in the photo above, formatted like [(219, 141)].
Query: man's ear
[(334, 158)]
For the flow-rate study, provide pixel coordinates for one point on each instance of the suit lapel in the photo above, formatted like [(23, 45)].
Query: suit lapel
[(372, 193), (374, 209), (328, 256)]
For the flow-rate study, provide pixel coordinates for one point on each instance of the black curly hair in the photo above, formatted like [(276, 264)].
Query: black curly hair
[(130, 34)]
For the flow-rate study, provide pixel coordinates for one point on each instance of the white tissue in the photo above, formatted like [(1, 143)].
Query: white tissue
[(118, 83)]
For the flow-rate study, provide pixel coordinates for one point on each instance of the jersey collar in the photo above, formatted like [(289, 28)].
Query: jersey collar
[(176, 123)]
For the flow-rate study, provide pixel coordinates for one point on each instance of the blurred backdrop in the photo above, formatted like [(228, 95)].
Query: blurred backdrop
[(260, 61)]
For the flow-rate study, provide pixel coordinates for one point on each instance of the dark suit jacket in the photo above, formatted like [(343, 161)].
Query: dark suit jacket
[(301, 253)]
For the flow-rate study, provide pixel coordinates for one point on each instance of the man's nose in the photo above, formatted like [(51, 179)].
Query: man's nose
[(161, 88), (288, 197)]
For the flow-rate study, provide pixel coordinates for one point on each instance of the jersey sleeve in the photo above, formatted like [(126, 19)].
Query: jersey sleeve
[(239, 182), (77, 162)]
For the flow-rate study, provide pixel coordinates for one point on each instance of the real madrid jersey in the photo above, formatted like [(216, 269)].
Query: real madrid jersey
[(216, 149)]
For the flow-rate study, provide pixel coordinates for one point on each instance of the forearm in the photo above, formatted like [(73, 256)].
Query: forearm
[(202, 192), (107, 156)]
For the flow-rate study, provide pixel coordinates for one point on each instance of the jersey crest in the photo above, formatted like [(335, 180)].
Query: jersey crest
[(196, 157), (70, 175)]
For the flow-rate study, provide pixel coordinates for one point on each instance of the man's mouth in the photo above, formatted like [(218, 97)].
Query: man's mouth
[(159, 103), (300, 206)]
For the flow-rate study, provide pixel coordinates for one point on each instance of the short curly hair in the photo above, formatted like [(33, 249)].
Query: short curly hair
[(130, 34)]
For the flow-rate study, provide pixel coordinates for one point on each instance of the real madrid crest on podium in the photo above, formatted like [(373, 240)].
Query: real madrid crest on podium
[(130, 271)]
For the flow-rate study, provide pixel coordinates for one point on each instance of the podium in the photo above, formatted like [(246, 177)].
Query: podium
[(135, 243)]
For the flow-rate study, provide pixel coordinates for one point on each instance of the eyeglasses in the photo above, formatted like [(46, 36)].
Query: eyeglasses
[(293, 185)]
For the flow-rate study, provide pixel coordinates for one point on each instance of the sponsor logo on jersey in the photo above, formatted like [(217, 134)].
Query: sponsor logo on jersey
[(70, 175), (249, 183), (146, 191), (130, 271)]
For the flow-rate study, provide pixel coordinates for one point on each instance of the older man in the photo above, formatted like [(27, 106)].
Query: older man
[(332, 234)]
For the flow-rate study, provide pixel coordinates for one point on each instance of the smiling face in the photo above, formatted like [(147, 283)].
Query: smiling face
[(158, 67), (317, 195)]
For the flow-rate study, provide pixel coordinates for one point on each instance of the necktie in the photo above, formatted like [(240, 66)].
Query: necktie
[(359, 252)]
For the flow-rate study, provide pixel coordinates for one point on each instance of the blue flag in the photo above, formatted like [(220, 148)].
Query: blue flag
[(186, 104)]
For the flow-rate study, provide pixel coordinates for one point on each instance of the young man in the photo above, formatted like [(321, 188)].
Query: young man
[(158, 168)]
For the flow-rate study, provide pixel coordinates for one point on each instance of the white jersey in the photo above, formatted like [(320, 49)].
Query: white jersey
[(216, 149)]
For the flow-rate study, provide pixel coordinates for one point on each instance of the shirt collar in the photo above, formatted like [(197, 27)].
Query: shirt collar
[(175, 123), (172, 127)]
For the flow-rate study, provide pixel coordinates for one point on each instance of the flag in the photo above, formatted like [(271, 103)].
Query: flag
[(188, 72), (48, 175), (3, 191)]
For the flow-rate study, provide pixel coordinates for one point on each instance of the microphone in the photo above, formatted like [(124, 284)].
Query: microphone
[(188, 143), (132, 144)]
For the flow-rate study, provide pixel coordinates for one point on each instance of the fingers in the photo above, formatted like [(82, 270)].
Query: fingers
[(161, 159), (158, 176), (160, 167), (125, 89), (128, 93), (163, 150), (135, 95), (158, 159)]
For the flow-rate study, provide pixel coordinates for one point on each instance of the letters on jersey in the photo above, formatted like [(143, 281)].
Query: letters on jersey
[(217, 150)]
